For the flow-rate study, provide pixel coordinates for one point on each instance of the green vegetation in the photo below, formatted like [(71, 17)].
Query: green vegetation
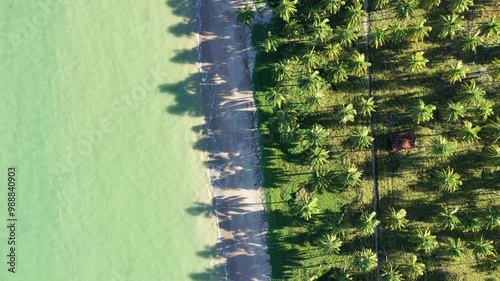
[(435, 71)]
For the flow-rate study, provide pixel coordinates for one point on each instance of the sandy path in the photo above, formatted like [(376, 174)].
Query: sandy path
[(228, 59)]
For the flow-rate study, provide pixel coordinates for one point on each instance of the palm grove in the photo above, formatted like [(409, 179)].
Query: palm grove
[(435, 72)]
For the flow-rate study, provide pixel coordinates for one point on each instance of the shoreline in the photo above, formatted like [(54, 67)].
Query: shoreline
[(226, 62)]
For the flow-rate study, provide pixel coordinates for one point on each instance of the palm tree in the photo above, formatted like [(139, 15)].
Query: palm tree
[(293, 29), (413, 269), (346, 114), (485, 109), (471, 93), (390, 273), (312, 60), (419, 32), (314, 14), (361, 138), (365, 261), (457, 72), (415, 62), (470, 133), (471, 224), (245, 15), (494, 155), (311, 82), (288, 132), (320, 180), (321, 31), (447, 180), (332, 6), (396, 220), (490, 28), (422, 112), (354, 15), (337, 72), (448, 218), (495, 69), (345, 36), (351, 176), (429, 4), (491, 220), (319, 158), (283, 70), (494, 261), (459, 6), (368, 223), (482, 248), (450, 25), (276, 98), (309, 207), (331, 243), (341, 275), (398, 34), (440, 147), (316, 136), (358, 64), (367, 106), (378, 37), (405, 8), (455, 249), (286, 9), (470, 42), (425, 240), (454, 111), (271, 43), (333, 51)]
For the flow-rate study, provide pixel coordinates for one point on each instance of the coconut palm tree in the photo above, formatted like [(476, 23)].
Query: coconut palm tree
[(368, 223), (350, 176), (471, 93), (494, 155), (314, 14), (319, 158), (312, 60), (364, 261), (413, 269), (309, 207), (315, 137), (320, 180), (358, 64), (293, 29), (455, 249), (398, 34), (429, 4), (337, 72), (419, 32), (425, 240), (320, 31), (380, 4), (286, 9), (415, 62), (275, 98), (390, 273), (405, 8), (469, 133), (470, 41), (245, 15), (331, 243), (484, 109), (346, 114), (471, 224), (454, 111), (440, 147), (333, 51), (288, 132), (459, 6), (422, 112), (494, 261), (367, 106), (457, 72), (378, 37), (447, 180), (361, 138), (450, 25), (396, 220), (491, 28), (491, 220), (448, 218), (283, 70), (332, 6), (494, 69), (354, 15), (482, 248), (312, 82), (345, 36), (271, 43)]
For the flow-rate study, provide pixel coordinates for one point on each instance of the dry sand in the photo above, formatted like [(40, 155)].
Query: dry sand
[(228, 61)]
